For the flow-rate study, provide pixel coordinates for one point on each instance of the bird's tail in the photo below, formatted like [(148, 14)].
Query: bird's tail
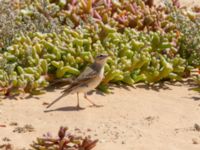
[(57, 99)]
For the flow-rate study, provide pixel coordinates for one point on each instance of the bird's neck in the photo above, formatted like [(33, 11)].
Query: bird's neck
[(97, 66)]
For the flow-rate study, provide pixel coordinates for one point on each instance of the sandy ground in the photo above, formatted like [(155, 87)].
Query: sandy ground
[(141, 118)]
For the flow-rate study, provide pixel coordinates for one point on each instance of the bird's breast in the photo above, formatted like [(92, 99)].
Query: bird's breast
[(101, 75), (91, 84)]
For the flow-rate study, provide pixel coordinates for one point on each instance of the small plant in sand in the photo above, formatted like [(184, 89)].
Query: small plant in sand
[(65, 141)]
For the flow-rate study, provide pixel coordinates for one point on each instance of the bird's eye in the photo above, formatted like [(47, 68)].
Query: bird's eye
[(101, 56)]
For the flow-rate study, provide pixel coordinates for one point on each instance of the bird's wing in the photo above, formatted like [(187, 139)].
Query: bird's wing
[(88, 70), (82, 80)]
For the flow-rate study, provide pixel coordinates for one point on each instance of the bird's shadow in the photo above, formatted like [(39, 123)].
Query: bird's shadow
[(68, 108), (71, 108)]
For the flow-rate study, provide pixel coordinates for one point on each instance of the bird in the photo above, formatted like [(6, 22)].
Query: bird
[(87, 81)]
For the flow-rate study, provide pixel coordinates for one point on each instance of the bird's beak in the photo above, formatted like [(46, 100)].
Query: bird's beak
[(105, 55)]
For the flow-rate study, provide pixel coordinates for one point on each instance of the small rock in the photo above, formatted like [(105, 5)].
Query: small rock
[(5, 139), (197, 127), (45, 103), (13, 124), (26, 128), (19, 130), (150, 118), (195, 141), (89, 130), (123, 142), (29, 128)]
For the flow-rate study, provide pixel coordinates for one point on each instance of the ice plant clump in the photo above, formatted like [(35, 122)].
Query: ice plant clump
[(65, 141)]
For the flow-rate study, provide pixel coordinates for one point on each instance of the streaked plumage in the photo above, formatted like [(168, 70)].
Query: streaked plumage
[(88, 80)]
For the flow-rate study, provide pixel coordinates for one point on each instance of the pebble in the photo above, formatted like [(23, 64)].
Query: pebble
[(197, 127), (13, 124), (195, 141), (89, 130), (26, 128), (5, 139)]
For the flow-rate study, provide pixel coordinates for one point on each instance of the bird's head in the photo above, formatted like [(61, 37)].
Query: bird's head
[(101, 59)]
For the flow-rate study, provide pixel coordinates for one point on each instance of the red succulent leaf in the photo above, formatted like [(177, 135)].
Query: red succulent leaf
[(176, 3)]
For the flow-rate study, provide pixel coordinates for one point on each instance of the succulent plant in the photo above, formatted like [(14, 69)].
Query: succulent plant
[(188, 25), (47, 49), (65, 141), (35, 59)]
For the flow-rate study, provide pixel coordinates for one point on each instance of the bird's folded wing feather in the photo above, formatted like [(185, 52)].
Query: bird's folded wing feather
[(87, 72), (82, 80)]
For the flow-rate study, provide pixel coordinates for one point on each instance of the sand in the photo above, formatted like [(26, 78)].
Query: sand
[(141, 118)]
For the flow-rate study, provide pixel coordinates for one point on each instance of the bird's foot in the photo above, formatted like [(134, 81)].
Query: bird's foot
[(79, 108)]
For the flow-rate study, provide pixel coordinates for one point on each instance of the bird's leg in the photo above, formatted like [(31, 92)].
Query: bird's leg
[(85, 96), (78, 106)]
